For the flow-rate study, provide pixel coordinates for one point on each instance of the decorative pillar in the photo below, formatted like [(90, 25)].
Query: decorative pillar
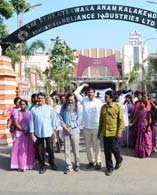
[(8, 86)]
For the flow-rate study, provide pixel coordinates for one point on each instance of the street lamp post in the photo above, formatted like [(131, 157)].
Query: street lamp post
[(49, 76), (49, 67), (20, 25), (153, 2)]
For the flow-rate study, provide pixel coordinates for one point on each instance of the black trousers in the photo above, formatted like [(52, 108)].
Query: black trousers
[(111, 146), (41, 150)]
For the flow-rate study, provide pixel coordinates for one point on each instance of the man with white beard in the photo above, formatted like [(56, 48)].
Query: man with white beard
[(70, 121)]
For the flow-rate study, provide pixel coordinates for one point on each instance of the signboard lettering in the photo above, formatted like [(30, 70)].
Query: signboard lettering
[(81, 13)]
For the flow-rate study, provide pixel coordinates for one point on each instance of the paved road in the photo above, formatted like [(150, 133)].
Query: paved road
[(136, 176)]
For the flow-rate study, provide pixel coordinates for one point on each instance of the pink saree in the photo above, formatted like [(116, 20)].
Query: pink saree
[(22, 155), (145, 138)]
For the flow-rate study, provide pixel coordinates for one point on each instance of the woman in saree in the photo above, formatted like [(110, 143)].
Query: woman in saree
[(145, 131), (22, 155), (149, 103), (10, 114), (127, 135)]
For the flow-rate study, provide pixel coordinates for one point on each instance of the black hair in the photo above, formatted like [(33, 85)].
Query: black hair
[(34, 95), (90, 88), (54, 93), (130, 97), (144, 102), (41, 94), (22, 100), (115, 97), (111, 94), (16, 99), (138, 93)]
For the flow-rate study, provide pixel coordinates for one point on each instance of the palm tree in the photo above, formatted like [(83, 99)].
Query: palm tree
[(6, 11), (146, 81), (29, 51), (152, 60), (36, 45), (13, 51), (20, 5), (133, 75)]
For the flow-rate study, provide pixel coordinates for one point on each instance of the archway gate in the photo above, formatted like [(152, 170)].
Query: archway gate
[(82, 13)]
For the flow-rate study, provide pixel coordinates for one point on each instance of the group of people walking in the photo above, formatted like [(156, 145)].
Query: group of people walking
[(116, 120)]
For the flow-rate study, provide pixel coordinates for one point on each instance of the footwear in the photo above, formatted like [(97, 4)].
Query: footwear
[(66, 171), (118, 164), (90, 165), (108, 173), (98, 166), (76, 168), (42, 169), (54, 167)]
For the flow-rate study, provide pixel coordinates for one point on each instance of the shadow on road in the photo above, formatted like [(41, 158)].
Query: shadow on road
[(153, 155), (4, 162)]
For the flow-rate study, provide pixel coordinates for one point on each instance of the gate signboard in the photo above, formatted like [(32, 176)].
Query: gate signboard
[(82, 13)]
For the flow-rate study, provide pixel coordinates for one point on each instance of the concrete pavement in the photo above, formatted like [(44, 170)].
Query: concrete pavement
[(136, 176)]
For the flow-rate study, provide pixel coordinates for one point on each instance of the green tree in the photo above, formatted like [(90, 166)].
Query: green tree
[(6, 11), (3, 31), (133, 75), (36, 45), (20, 6), (27, 50), (152, 61), (62, 59), (13, 52), (146, 82)]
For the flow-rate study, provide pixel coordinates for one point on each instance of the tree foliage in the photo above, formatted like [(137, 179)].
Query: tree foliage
[(153, 61), (27, 50), (3, 31), (133, 75), (13, 52), (62, 59), (7, 9), (20, 6), (36, 45)]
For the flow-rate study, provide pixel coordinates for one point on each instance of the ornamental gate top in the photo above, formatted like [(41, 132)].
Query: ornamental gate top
[(82, 13)]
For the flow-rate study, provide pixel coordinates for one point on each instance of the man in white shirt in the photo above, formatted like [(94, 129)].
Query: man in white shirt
[(90, 121)]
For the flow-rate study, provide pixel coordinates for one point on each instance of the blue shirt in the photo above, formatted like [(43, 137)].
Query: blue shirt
[(70, 118), (42, 121)]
